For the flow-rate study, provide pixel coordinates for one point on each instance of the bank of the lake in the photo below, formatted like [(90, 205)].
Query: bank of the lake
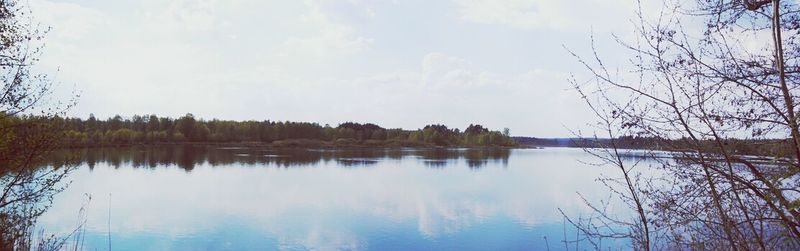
[(307, 143)]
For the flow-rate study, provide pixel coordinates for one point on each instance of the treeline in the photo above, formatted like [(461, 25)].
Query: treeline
[(759, 147), (152, 129)]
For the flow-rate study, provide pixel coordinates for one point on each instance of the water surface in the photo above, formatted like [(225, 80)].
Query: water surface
[(231, 198)]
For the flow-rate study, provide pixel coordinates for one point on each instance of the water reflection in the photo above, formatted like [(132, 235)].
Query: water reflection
[(187, 157), (384, 199)]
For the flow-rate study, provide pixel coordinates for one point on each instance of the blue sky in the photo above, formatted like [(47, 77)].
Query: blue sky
[(500, 63)]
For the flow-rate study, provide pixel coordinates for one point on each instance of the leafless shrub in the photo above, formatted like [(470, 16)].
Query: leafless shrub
[(699, 85)]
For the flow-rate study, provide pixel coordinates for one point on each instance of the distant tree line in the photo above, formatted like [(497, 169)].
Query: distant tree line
[(757, 147), (152, 129)]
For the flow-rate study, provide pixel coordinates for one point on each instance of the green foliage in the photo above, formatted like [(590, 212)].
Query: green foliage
[(186, 126), (151, 129)]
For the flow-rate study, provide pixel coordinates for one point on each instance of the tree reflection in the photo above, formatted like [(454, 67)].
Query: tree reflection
[(187, 157)]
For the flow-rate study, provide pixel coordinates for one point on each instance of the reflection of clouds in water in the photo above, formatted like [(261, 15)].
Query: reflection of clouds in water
[(171, 202), (437, 218), (321, 239)]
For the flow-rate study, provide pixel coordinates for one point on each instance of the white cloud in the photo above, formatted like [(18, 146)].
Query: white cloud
[(442, 71), (525, 14), (189, 15), (546, 14), (455, 91), (68, 21), (320, 61), (328, 39)]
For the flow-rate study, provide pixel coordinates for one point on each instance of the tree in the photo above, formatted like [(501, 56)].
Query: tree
[(115, 123), (475, 129), (91, 123), (150, 129), (153, 124), (201, 132), (25, 189), (139, 123), (693, 92), (186, 126)]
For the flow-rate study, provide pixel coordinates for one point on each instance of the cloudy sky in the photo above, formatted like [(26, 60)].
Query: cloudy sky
[(500, 63)]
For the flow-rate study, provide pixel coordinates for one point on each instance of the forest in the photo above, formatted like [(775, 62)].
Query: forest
[(775, 147), (152, 129)]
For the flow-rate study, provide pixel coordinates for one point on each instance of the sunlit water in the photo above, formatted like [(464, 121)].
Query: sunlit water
[(217, 198)]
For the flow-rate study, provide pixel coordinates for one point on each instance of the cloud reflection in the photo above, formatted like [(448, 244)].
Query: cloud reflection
[(396, 194)]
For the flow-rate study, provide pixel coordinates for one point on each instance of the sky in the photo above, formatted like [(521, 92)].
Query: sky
[(399, 64)]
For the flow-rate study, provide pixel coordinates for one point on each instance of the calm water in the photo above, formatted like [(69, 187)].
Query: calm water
[(218, 198)]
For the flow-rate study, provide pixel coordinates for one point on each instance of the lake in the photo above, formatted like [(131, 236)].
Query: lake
[(232, 198)]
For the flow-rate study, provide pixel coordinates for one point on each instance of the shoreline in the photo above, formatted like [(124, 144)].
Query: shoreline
[(307, 143)]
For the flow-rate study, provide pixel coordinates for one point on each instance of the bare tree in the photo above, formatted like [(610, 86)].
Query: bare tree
[(712, 83)]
